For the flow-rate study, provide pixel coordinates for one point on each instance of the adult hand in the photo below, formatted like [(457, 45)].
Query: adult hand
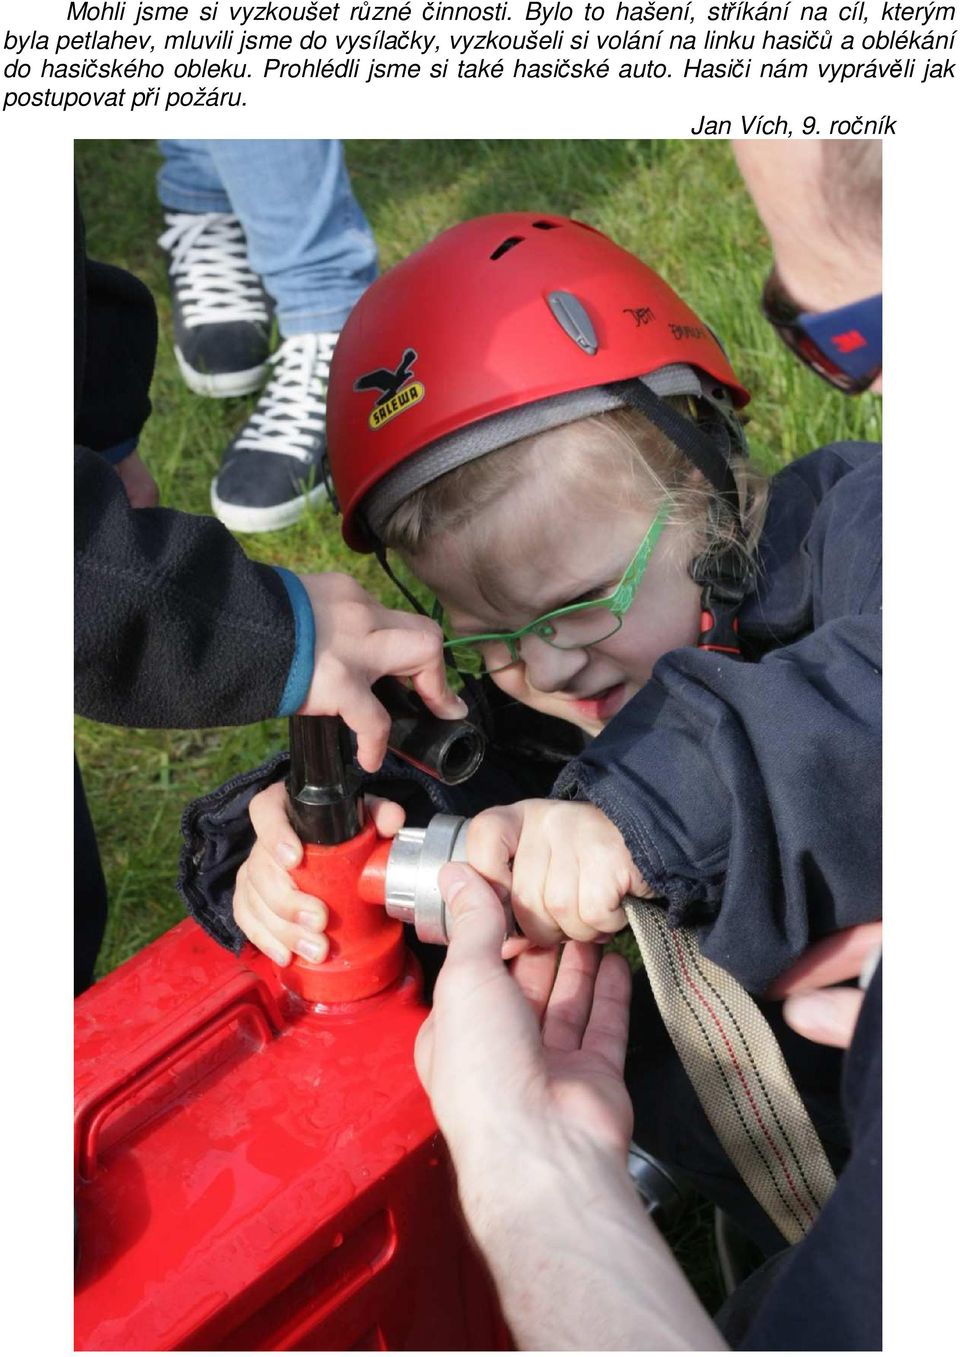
[(524, 1071), (357, 642), (828, 1015), (140, 486), (534, 1047)]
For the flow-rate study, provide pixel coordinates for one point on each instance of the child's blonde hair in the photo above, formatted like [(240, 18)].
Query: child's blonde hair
[(631, 463)]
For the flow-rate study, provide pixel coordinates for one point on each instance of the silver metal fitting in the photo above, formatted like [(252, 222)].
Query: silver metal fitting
[(412, 893)]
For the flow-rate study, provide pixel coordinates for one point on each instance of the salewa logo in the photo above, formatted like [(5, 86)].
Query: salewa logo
[(397, 395), (642, 315)]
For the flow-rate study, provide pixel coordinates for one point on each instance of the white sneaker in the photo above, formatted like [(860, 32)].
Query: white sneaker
[(275, 465), (221, 314)]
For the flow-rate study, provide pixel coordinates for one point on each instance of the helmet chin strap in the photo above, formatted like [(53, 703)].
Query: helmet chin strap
[(380, 552), (709, 452), (724, 576), (477, 700)]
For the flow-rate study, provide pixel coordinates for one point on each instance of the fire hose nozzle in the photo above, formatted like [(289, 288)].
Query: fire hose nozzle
[(345, 866), (411, 891)]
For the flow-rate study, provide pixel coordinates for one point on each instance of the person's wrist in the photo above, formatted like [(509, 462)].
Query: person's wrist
[(120, 451), (575, 1258), (303, 660), (517, 1176)]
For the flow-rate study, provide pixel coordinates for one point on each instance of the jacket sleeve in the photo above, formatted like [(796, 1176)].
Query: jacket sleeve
[(749, 794), (174, 625), (825, 1294)]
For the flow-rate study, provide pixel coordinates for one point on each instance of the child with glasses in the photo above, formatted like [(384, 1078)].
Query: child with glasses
[(548, 438)]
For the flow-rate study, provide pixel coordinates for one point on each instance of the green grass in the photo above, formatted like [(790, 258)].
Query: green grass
[(679, 205)]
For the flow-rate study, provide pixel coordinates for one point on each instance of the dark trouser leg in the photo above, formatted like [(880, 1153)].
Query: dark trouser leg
[(89, 891), (670, 1123)]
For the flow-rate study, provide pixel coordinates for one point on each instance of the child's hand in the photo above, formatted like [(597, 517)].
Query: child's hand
[(564, 864), (268, 908), (358, 640), (140, 486)]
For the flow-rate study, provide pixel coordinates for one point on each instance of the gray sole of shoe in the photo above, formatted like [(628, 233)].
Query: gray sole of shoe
[(221, 384), (244, 518)]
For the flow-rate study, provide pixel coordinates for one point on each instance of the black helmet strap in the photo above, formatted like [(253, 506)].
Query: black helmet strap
[(700, 447), (477, 700), (724, 576)]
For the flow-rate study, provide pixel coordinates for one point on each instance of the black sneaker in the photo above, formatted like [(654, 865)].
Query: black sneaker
[(275, 465), (221, 314)]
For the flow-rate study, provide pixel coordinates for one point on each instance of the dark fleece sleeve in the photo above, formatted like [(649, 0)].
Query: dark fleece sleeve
[(749, 794), (174, 626)]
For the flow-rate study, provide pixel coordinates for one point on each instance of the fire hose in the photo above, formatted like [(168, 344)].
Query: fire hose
[(726, 1046)]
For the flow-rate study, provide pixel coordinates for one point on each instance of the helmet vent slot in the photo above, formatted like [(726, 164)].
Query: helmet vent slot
[(545, 225), (506, 245)]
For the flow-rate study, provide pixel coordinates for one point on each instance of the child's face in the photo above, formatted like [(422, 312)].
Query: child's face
[(553, 550)]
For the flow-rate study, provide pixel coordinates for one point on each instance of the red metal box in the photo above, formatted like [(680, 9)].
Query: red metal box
[(255, 1172)]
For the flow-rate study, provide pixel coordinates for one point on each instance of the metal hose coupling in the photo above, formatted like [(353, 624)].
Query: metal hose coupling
[(411, 891)]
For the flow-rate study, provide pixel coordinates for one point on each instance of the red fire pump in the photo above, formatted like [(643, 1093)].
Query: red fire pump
[(257, 1166)]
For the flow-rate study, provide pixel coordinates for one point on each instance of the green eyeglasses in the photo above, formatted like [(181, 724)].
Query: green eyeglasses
[(574, 627)]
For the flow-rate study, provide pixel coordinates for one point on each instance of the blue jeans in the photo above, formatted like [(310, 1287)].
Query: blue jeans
[(307, 236)]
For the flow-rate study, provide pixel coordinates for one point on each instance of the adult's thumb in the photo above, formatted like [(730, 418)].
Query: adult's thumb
[(474, 913)]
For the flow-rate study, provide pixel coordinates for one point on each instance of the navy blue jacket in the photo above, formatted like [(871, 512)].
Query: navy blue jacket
[(825, 1293), (749, 793)]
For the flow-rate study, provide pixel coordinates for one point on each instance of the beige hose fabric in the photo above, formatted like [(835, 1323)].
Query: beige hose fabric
[(736, 1066)]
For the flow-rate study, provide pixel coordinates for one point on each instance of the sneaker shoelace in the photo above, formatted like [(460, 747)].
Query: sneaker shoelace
[(209, 267), (291, 413)]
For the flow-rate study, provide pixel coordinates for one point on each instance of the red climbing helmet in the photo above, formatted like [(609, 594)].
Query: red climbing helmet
[(500, 327)]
